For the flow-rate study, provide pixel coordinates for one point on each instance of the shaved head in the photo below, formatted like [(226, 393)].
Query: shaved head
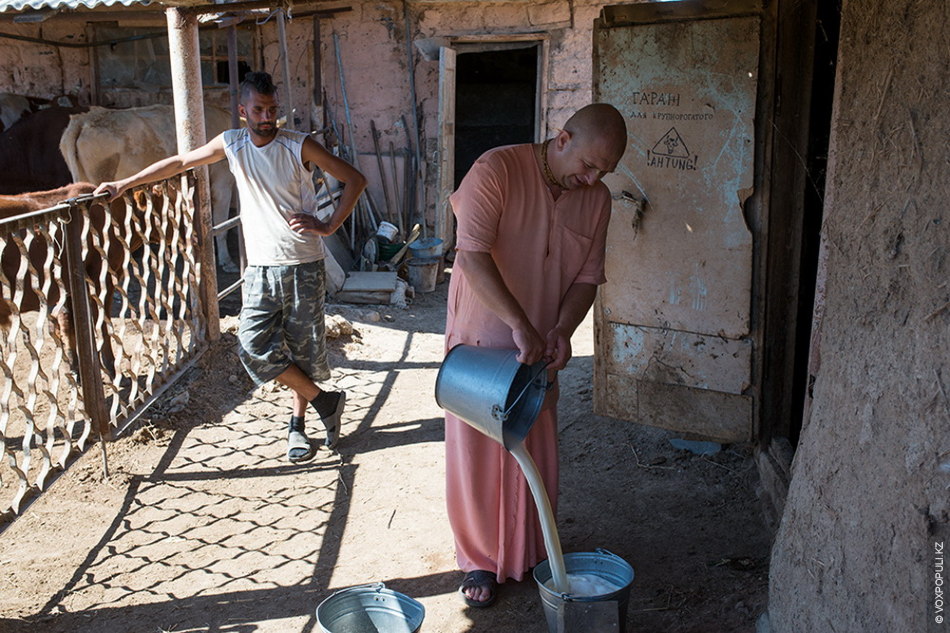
[(599, 122)]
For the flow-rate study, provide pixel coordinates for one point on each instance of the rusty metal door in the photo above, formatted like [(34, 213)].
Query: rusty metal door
[(674, 345)]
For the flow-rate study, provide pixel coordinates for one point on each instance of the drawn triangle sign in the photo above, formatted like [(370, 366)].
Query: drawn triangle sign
[(671, 144)]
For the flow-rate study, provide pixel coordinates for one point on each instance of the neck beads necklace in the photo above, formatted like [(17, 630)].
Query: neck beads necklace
[(548, 174)]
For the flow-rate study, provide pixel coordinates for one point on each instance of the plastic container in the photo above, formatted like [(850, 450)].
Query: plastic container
[(388, 251), (386, 232)]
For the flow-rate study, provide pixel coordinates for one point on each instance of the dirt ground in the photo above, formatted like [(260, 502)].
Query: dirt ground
[(202, 524)]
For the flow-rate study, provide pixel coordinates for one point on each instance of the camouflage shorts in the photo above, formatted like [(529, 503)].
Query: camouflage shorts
[(282, 321)]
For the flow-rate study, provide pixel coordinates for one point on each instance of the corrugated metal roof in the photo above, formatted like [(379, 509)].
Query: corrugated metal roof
[(28, 5)]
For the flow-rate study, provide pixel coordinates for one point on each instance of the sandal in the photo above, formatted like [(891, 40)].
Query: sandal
[(299, 448), (479, 578)]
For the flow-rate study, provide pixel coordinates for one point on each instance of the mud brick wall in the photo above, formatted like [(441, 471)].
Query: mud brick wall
[(870, 477), (44, 71)]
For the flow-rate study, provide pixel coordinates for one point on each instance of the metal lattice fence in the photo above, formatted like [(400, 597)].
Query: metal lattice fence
[(99, 314)]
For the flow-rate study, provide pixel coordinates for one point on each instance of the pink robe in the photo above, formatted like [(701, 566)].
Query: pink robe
[(541, 247)]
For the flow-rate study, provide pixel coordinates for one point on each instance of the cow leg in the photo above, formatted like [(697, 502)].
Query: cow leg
[(222, 187), (225, 261), (62, 324)]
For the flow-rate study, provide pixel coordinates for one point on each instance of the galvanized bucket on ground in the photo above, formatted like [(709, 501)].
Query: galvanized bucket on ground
[(370, 609), (492, 391), (423, 273), (605, 614)]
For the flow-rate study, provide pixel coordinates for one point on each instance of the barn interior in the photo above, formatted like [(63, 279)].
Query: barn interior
[(819, 180)]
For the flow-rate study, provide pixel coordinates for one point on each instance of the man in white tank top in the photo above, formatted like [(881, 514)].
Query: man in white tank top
[(281, 335)]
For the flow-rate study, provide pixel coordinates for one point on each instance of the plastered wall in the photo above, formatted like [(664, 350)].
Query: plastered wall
[(868, 502), (372, 46), (44, 71)]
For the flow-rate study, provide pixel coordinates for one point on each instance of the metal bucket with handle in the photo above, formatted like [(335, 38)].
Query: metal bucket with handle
[(491, 391)]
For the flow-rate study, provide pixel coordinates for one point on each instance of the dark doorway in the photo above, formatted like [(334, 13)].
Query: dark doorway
[(495, 102), (827, 26)]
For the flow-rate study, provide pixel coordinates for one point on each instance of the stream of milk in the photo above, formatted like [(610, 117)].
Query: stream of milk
[(561, 581), (551, 541)]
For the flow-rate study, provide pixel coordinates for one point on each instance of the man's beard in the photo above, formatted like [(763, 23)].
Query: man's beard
[(265, 131)]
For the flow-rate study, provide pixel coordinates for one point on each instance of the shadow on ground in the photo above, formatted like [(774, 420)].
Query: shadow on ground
[(203, 526)]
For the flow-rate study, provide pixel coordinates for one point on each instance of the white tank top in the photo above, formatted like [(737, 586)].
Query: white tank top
[(273, 185)]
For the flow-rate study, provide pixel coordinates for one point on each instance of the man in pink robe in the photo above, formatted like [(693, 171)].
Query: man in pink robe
[(532, 227)]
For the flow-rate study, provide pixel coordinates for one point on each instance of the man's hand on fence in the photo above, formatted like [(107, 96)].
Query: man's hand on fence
[(110, 188)]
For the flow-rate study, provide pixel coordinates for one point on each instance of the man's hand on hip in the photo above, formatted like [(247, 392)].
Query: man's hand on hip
[(306, 223)]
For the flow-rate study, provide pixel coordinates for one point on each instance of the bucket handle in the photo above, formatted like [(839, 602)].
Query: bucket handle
[(601, 550), (502, 416), (376, 586)]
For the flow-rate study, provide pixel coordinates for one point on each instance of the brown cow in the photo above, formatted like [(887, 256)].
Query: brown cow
[(10, 258)]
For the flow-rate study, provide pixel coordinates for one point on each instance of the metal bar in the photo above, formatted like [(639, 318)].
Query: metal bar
[(346, 102), (415, 112), (237, 284), (92, 389), (407, 178), (285, 68), (28, 219), (382, 172), (190, 124), (233, 75), (225, 226), (266, 4), (397, 196), (367, 210), (340, 144), (38, 40)]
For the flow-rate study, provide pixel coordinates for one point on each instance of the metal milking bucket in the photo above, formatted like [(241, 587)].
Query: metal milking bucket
[(491, 391), (370, 609), (605, 613)]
